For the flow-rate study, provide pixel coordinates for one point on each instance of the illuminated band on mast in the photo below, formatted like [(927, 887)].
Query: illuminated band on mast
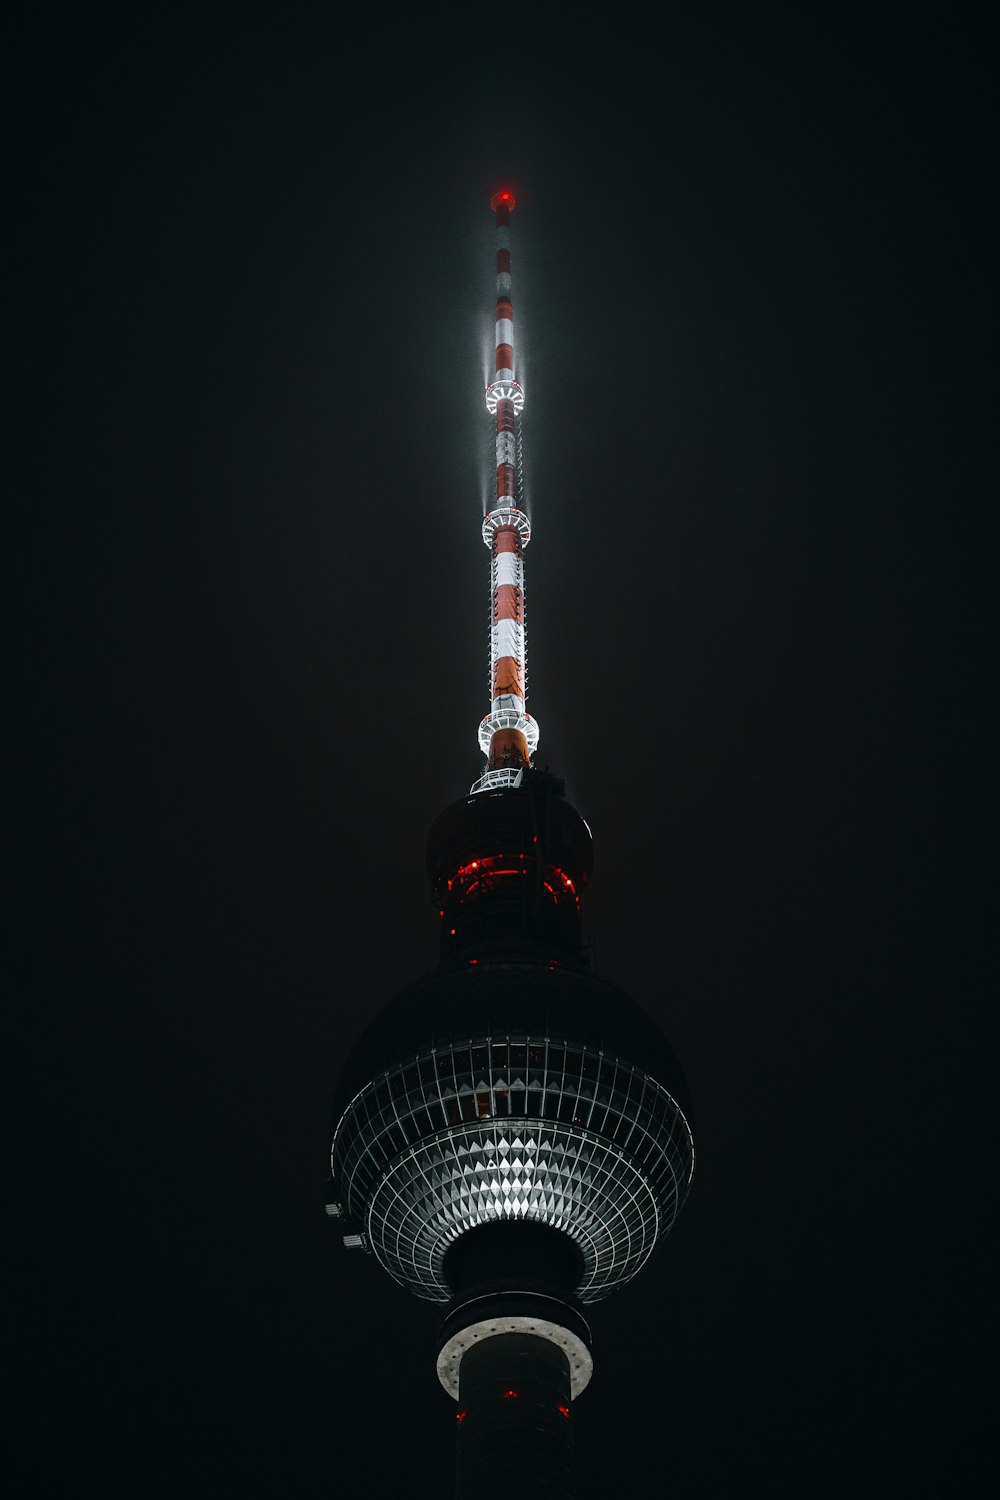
[(508, 734)]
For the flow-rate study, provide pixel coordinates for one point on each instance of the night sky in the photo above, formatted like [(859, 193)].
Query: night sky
[(750, 297)]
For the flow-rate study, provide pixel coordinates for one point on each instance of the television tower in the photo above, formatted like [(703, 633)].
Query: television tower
[(510, 1137)]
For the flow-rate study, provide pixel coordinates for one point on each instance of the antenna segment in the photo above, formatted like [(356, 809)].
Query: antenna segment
[(508, 734)]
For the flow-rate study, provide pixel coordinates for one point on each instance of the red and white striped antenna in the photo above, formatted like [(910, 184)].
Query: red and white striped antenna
[(508, 734)]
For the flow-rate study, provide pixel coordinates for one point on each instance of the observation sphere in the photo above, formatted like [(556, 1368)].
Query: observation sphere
[(517, 1088)]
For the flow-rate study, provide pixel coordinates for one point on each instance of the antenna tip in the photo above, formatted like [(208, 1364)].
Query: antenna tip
[(503, 198)]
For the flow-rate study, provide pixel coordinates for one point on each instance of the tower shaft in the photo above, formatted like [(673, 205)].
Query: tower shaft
[(515, 1429)]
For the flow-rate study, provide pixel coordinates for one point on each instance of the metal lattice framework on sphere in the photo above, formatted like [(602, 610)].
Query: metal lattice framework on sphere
[(518, 1112)]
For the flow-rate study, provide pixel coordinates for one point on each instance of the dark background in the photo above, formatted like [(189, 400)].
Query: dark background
[(751, 289)]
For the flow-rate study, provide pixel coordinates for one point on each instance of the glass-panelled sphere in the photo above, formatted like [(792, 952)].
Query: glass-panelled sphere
[(522, 1088)]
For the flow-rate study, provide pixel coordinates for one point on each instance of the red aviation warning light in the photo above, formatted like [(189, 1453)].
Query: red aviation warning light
[(504, 198)]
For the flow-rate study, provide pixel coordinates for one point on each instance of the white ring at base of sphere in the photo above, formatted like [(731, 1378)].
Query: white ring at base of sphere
[(579, 1357)]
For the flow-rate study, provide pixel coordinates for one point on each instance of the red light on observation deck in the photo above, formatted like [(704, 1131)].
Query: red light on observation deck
[(505, 198), (486, 872)]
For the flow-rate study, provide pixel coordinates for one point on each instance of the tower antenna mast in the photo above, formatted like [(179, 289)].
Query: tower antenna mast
[(508, 735)]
